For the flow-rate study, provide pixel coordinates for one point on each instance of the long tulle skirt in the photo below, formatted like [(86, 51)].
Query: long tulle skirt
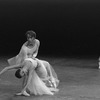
[(38, 87)]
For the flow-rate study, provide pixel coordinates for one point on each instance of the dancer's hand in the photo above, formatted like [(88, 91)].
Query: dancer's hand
[(53, 82), (45, 79)]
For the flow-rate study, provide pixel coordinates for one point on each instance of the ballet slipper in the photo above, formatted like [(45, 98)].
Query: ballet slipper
[(54, 89), (19, 94), (23, 93)]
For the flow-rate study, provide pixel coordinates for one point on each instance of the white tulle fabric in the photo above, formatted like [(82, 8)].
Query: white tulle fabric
[(37, 85)]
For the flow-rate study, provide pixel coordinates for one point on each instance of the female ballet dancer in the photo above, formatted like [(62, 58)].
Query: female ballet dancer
[(37, 73)]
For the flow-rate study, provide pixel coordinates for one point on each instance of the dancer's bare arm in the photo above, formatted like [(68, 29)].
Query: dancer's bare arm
[(48, 68), (10, 67), (27, 81), (36, 51)]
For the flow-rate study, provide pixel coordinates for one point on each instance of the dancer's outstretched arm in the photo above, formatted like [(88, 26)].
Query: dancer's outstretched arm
[(10, 67)]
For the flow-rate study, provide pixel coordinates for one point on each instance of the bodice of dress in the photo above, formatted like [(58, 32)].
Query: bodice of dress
[(29, 52)]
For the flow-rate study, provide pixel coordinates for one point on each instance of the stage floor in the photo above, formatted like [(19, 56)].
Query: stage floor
[(79, 80)]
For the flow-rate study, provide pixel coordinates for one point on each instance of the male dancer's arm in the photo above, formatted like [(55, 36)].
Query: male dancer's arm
[(36, 51)]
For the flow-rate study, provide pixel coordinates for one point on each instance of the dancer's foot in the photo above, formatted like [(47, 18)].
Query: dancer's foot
[(54, 89), (18, 94), (23, 93), (26, 94)]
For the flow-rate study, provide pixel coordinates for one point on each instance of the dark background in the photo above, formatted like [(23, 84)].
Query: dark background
[(64, 27)]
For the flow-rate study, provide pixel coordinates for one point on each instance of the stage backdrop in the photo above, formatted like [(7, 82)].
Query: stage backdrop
[(64, 27)]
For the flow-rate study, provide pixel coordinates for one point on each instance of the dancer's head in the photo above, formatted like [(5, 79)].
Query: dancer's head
[(31, 35), (18, 74)]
